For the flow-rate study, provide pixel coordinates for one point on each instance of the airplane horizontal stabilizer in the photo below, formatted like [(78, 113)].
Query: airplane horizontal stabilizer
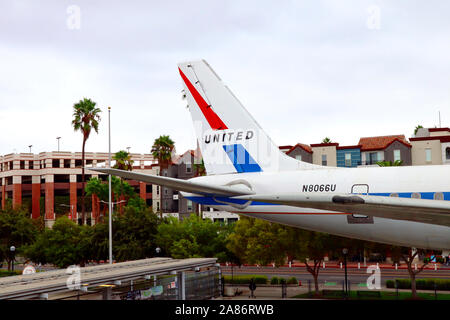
[(177, 184), (411, 209)]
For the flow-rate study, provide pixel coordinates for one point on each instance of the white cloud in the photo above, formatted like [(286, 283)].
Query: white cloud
[(304, 69)]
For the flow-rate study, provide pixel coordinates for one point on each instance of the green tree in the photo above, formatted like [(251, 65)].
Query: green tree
[(123, 160), (16, 229), (326, 140), (257, 241), (193, 237), (162, 151), (65, 244), (409, 255), (417, 129), (135, 232), (311, 249), (121, 190), (86, 116), (390, 163)]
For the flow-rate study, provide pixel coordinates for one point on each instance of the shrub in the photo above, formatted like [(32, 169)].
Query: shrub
[(292, 280), (422, 284), (6, 273), (282, 281), (245, 279), (274, 280)]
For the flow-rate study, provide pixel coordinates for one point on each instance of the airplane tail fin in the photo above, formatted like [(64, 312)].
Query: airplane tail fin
[(230, 140)]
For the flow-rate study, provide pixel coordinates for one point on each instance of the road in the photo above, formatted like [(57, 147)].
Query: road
[(355, 275)]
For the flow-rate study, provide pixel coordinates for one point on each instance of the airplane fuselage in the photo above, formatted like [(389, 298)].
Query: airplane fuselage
[(425, 182)]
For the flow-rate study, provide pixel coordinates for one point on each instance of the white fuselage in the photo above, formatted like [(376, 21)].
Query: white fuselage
[(426, 182)]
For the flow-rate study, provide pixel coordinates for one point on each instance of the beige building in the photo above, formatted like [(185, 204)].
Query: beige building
[(324, 154), (431, 146)]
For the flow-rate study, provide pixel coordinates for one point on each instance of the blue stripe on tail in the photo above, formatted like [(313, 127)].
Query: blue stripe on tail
[(241, 159)]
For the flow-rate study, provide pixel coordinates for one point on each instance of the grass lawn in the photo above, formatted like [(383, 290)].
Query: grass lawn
[(385, 295)]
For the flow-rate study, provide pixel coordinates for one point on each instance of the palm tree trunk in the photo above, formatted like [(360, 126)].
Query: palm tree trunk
[(161, 194), (82, 182)]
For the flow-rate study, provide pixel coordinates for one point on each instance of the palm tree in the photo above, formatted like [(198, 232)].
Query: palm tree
[(396, 163), (162, 150), (417, 129), (86, 117), (326, 140), (123, 161)]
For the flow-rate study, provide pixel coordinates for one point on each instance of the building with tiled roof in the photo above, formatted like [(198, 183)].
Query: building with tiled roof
[(300, 151), (385, 148), (431, 146)]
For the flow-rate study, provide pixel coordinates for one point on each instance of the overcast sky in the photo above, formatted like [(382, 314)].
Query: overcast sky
[(304, 69)]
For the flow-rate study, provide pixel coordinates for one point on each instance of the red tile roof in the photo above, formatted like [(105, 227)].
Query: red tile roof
[(300, 145), (379, 143)]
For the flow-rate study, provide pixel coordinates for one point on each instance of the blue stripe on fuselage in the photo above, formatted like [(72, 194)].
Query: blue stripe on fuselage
[(209, 200), (423, 195)]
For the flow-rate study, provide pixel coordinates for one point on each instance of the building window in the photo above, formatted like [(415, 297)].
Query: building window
[(348, 159), (373, 158), (438, 196), (324, 159), (157, 189), (188, 168), (157, 206), (428, 155), (189, 205), (395, 195), (298, 157), (397, 156), (31, 165), (447, 153)]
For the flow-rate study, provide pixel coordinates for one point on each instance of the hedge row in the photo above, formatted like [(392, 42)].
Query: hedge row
[(276, 280), (6, 273), (422, 284), (245, 279)]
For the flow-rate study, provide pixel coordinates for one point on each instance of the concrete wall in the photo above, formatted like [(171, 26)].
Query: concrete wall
[(440, 133), (444, 147), (405, 153), (418, 152), (329, 151)]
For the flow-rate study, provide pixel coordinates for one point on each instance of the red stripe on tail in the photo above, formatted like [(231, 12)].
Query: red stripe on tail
[(212, 118)]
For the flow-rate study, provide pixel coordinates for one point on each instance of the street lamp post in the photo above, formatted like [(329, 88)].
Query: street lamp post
[(13, 256), (345, 252), (30, 147), (110, 224), (57, 138)]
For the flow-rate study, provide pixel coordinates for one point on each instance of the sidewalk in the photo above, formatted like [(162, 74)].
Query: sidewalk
[(268, 292)]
